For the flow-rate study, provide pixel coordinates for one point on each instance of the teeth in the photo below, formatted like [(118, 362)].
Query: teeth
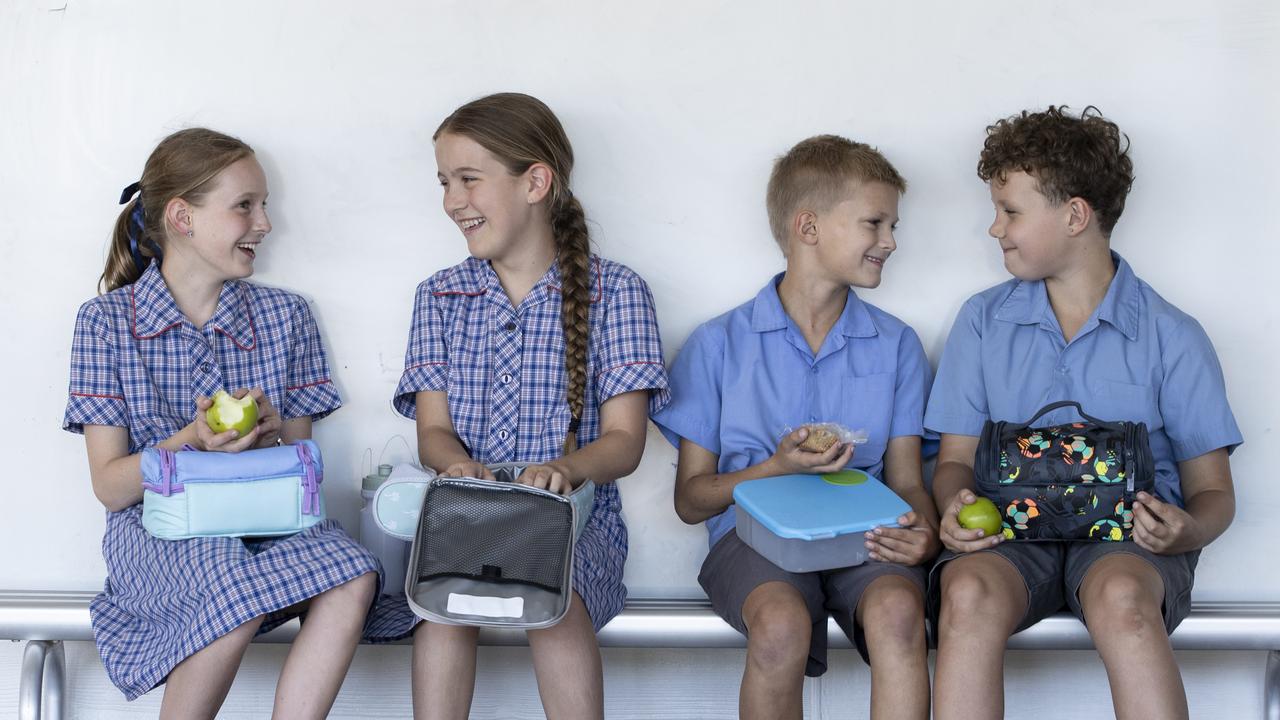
[(468, 224), (245, 246)]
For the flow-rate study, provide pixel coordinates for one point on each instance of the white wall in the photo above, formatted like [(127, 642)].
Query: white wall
[(676, 111)]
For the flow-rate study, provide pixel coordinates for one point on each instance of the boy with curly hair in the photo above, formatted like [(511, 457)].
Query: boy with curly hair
[(1074, 323)]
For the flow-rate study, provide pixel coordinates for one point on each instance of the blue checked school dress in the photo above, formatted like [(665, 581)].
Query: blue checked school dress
[(138, 363), (503, 371)]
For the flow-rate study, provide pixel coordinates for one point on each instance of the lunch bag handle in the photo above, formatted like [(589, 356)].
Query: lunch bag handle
[(1070, 403)]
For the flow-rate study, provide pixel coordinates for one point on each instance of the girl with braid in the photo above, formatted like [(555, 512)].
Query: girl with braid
[(531, 350)]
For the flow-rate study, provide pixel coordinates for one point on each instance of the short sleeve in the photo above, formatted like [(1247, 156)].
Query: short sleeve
[(426, 359), (630, 348), (1193, 395), (958, 401), (310, 390), (696, 401), (94, 394), (911, 387)]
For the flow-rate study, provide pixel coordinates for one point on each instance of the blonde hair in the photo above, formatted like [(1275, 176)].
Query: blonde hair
[(183, 165), (816, 173), (520, 130)]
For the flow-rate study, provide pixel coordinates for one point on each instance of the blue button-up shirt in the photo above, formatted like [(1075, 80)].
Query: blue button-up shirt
[(746, 378), (1137, 358)]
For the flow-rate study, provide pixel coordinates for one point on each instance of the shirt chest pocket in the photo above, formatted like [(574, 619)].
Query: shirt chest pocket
[(861, 402), (1115, 400)]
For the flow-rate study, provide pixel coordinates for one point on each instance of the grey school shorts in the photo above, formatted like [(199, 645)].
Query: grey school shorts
[(732, 570), (1053, 572)]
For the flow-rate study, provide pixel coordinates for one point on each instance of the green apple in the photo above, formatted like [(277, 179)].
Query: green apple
[(982, 515), (228, 413)]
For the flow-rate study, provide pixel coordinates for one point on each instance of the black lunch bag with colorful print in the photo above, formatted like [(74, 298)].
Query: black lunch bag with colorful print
[(1075, 481)]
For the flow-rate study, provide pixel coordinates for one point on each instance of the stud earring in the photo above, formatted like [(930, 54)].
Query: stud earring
[(191, 233)]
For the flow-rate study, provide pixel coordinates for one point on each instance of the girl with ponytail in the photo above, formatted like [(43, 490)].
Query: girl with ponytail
[(531, 350), (178, 321)]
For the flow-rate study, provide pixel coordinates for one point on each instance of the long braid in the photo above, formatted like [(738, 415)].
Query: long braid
[(520, 130), (573, 257)]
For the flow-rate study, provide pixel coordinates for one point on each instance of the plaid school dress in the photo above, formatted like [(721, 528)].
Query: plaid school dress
[(138, 363), (503, 371)]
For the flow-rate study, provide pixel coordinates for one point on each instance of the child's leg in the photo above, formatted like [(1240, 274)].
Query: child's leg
[(891, 615), (983, 599), (779, 630), (1130, 600), (444, 671), (199, 684), (566, 660), (322, 652), (783, 617)]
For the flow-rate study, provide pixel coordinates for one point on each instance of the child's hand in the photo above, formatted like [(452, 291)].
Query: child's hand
[(1164, 528), (469, 468), (791, 459), (955, 536), (228, 441), (912, 543), (269, 420), (547, 477)]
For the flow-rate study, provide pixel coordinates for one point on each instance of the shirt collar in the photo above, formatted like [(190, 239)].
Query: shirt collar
[(1028, 303), (767, 313), (477, 277), (155, 312), (154, 309)]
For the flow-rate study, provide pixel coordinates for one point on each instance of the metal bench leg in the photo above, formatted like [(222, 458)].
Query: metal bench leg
[(1271, 687), (41, 685)]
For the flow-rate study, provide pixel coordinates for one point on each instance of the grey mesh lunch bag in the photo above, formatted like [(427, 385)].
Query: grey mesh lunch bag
[(495, 553)]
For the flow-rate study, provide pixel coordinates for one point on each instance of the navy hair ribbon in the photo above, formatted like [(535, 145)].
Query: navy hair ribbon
[(137, 221)]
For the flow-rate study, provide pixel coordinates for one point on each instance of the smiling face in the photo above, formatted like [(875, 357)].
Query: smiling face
[(493, 208), (855, 236), (1031, 230), (229, 223)]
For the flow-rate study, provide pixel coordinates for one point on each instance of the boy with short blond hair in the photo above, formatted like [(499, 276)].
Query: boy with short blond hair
[(806, 349), (1074, 323)]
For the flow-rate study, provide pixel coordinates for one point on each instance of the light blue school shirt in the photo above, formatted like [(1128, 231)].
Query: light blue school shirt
[(1137, 358), (745, 378)]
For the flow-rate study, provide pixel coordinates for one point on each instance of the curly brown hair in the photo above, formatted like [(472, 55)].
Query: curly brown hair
[(1085, 157)]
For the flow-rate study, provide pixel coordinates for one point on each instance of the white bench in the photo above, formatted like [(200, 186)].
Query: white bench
[(46, 619)]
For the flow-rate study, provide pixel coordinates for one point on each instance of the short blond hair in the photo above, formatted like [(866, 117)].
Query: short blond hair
[(816, 174)]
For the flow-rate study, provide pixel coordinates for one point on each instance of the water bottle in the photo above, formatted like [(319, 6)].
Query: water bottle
[(392, 552)]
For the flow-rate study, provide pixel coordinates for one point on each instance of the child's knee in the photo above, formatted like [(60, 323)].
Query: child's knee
[(1121, 603), (892, 608), (975, 596), (779, 633)]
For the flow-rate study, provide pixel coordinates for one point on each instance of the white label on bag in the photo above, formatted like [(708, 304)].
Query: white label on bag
[(485, 606)]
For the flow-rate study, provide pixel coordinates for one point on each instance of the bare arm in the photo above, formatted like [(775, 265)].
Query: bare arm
[(916, 540), (953, 489), (438, 445), (117, 475), (1211, 505), (701, 492), (615, 454), (904, 474)]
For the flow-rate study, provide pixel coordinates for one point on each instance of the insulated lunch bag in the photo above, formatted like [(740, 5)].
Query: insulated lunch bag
[(495, 552), (1074, 481), (260, 493)]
